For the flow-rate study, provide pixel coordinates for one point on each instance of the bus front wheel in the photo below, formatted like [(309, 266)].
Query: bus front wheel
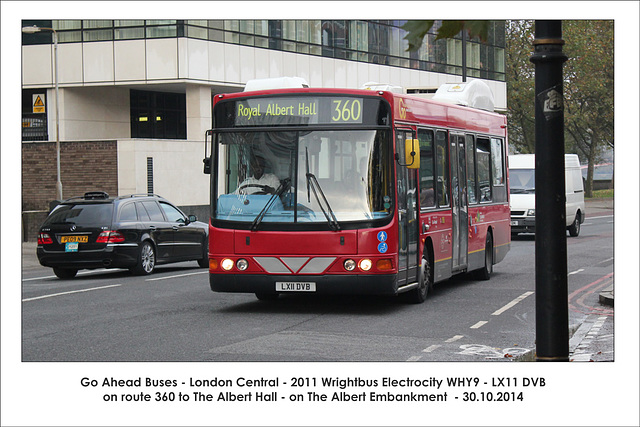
[(425, 283)]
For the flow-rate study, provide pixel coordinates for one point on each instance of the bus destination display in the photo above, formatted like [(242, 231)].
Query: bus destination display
[(283, 111)]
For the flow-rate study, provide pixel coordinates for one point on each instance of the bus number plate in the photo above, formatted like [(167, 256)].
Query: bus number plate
[(295, 286)]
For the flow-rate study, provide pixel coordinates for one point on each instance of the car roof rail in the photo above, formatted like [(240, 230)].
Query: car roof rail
[(128, 196)]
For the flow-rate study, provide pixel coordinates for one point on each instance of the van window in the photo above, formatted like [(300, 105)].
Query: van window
[(522, 181), (577, 181)]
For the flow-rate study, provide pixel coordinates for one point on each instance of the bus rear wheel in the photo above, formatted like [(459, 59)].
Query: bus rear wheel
[(485, 272)]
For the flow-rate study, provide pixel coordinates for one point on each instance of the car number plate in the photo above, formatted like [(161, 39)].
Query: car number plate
[(71, 247), (77, 239), (514, 222), (295, 286)]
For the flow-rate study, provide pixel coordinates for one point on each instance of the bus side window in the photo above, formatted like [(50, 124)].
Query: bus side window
[(497, 170), (442, 168), (427, 184), (471, 170), (483, 156)]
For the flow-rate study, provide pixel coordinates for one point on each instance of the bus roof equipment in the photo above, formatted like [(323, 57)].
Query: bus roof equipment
[(475, 94), (275, 83)]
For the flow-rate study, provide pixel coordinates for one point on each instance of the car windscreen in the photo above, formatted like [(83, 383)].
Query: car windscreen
[(81, 214)]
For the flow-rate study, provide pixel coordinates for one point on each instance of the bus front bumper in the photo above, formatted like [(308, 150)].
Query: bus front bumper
[(371, 284)]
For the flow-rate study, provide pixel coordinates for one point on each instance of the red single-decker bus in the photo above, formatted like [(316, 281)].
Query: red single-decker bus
[(344, 191)]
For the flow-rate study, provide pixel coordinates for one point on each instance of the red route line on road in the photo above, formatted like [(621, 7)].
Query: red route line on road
[(578, 296)]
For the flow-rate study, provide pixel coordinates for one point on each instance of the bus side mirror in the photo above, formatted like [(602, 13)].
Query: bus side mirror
[(207, 165), (412, 153)]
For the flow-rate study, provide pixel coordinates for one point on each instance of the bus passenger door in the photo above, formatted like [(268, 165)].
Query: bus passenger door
[(460, 209), (408, 218)]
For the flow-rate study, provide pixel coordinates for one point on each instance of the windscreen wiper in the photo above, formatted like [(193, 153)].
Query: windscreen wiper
[(312, 182), (284, 185)]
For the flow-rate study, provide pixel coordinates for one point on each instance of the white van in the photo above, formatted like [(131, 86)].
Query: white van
[(522, 191)]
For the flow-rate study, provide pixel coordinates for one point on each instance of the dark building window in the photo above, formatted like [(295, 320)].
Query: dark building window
[(161, 115)]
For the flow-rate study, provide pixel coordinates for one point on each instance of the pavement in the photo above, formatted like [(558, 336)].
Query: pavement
[(600, 207), (583, 337)]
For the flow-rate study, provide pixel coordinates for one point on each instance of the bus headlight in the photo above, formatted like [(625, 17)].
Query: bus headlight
[(242, 264), (227, 264), (365, 264), (349, 265)]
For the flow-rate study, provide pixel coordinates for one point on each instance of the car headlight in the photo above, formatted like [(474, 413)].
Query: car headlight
[(531, 212)]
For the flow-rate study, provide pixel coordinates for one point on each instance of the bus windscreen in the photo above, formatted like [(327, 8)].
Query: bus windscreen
[(326, 177)]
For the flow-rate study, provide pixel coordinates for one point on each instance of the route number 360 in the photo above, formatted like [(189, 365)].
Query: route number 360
[(349, 110)]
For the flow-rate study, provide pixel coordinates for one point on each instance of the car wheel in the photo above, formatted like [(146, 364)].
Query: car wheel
[(574, 229), (146, 260), (65, 273), (485, 272)]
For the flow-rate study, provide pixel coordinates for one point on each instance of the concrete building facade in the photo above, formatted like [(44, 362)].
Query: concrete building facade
[(135, 96)]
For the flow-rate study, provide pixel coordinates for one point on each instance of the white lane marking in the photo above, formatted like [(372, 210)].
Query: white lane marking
[(177, 275), (576, 272), (70, 292), (431, 348), (414, 358), (80, 273), (454, 338), (598, 217), (511, 304), (479, 324)]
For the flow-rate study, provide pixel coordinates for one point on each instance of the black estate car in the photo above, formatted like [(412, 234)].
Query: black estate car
[(135, 232)]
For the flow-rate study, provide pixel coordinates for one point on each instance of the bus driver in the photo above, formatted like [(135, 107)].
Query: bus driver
[(259, 182)]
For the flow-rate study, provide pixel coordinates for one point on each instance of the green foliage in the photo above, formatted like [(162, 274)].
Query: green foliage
[(603, 194), (587, 88), (588, 85), (417, 30), (520, 73)]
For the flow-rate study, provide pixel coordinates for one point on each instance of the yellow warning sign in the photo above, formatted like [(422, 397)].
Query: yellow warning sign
[(38, 103)]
